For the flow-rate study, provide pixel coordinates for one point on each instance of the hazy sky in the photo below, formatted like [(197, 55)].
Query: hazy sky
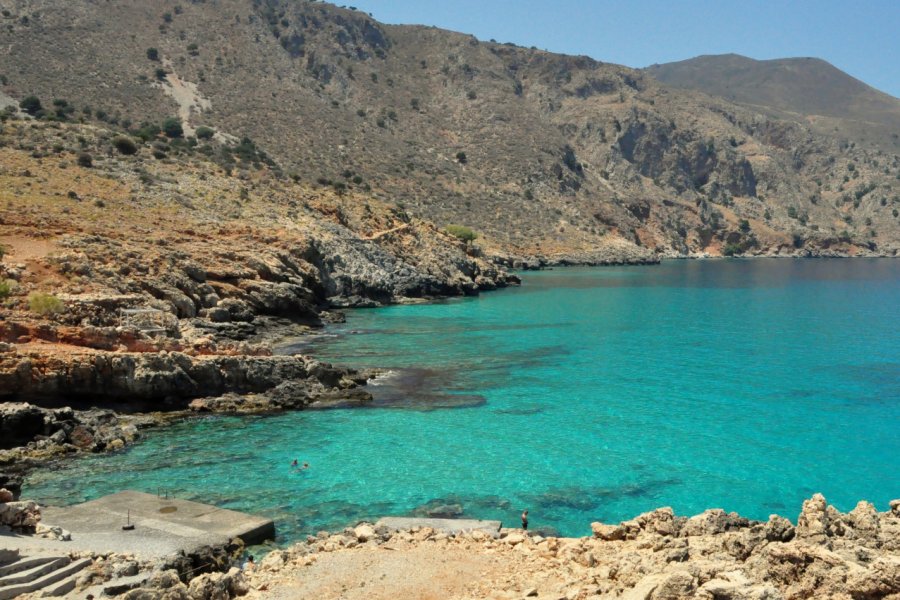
[(861, 38)]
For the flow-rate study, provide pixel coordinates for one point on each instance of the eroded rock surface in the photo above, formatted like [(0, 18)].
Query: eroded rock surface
[(655, 556)]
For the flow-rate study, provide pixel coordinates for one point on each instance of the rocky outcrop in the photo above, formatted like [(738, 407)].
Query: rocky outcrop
[(152, 377), (21, 515), (654, 556)]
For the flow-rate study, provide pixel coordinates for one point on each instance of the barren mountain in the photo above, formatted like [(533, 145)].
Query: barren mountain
[(543, 154), (807, 89)]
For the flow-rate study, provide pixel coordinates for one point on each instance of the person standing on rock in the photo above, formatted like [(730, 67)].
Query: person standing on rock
[(525, 519)]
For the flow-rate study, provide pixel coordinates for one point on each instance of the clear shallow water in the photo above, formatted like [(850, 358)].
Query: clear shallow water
[(594, 394)]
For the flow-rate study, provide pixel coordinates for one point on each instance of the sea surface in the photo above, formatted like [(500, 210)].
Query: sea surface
[(583, 395)]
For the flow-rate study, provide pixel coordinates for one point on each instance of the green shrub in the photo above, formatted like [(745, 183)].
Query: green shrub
[(161, 73), (125, 145), (31, 105), (744, 225), (732, 249), (172, 127), (462, 232), (461, 157), (6, 288), (148, 131), (85, 160), (152, 53), (205, 133), (44, 304)]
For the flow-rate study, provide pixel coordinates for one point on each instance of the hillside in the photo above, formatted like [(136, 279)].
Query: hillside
[(810, 89), (548, 157)]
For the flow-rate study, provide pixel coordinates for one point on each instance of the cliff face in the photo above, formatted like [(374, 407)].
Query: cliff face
[(543, 154)]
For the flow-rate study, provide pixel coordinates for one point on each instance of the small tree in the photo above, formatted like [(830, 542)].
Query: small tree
[(461, 157), (744, 225), (148, 131), (125, 145), (31, 105), (152, 53), (462, 232), (172, 127), (205, 133)]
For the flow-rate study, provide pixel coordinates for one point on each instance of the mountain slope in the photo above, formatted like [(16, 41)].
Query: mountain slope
[(806, 87), (545, 155)]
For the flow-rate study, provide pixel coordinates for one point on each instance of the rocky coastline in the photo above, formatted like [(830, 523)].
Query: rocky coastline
[(823, 554), (655, 556)]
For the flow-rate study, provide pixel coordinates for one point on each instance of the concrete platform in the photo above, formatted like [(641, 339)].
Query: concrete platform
[(448, 525), (161, 526)]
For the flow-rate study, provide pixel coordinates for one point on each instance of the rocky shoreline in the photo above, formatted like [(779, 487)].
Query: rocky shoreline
[(824, 554), (655, 556)]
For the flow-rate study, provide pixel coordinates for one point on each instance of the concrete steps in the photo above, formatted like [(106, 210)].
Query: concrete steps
[(55, 575), (40, 568), (22, 563)]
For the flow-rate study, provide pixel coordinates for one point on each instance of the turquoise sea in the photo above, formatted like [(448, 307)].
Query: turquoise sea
[(584, 394)]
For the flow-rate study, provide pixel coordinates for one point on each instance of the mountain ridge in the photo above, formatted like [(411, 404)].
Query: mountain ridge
[(799, 86), (545, 155)]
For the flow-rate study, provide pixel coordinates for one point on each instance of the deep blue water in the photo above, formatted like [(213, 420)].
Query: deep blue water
[(588, 394)]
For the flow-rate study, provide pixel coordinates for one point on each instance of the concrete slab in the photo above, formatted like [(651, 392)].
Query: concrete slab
[(448, 525), (161, 526)]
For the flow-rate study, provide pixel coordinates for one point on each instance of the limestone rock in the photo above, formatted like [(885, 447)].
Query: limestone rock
[(217, 586), (22, 514), (53, 532), (712, 522), (813, 520), (364, 532), (779, 529), (607, 532)]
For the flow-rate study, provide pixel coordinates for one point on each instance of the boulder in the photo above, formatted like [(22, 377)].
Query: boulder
[(23, 514), (607, 532), (217, 586), (364, 532), (53, 532)]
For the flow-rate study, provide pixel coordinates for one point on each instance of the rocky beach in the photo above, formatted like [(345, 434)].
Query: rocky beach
[(824, 554)]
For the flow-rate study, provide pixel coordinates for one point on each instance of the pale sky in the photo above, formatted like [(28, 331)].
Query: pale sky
[(861, 38)]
